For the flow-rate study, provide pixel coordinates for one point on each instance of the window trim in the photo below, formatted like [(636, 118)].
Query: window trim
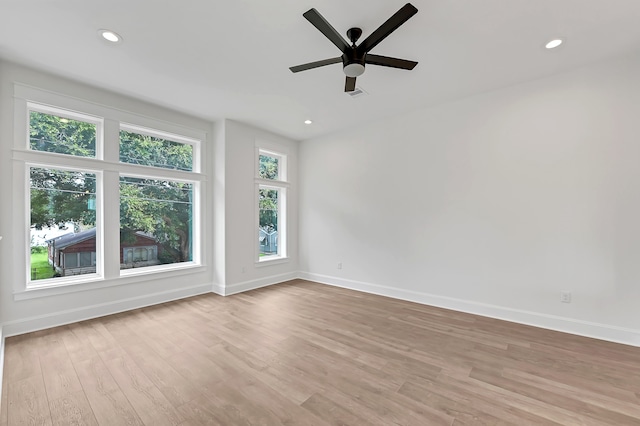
[(106, 162)]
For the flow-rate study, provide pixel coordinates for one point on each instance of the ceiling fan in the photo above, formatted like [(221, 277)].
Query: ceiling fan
[(355, 57)]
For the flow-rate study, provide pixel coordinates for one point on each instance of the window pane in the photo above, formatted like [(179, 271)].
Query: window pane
[(85, 258), (269, 167), (156, 215), (61, 135), (63, 221), (268, 224), (70, 260), (151, 151)]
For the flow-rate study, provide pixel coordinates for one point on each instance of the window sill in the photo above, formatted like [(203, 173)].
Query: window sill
[(95, 283), (271, 260)]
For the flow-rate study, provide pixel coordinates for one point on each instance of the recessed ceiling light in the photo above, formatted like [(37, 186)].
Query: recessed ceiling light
[(308, 121), (110, 36), (553, 43)]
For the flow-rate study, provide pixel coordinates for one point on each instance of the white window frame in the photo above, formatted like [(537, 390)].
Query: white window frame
[(195, 209), (281, 184), (107, 168), (58, 281), (194, 143)]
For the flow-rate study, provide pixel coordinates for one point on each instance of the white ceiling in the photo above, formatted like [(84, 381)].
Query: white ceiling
[(230, 58)]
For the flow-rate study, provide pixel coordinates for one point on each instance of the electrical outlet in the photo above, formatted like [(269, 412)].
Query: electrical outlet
[(565, 297), (339, 265)]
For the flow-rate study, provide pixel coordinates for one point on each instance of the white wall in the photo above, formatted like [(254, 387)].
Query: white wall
[(242, 270), (493, 204)]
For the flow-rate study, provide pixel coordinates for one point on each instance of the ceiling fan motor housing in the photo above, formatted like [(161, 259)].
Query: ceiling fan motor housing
[(352, 63)]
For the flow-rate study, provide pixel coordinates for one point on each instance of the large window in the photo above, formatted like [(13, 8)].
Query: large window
[(271, 183), (83, 172)]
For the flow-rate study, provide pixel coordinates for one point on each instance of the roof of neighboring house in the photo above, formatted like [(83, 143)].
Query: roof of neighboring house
[(70, 239)]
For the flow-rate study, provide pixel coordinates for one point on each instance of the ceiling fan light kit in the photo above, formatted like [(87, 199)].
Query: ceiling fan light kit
[(353, 70), (354, 58)]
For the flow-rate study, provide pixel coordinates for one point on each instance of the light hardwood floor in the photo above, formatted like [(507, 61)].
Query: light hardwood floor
[(301, 353)]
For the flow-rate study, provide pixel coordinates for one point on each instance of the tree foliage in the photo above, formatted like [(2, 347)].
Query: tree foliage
[(268, 167), (268, 209), (60, 196), (158, 208), (51, 133), (151, 151)]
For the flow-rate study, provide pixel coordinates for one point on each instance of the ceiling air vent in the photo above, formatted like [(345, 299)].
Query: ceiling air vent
[(357, 92)]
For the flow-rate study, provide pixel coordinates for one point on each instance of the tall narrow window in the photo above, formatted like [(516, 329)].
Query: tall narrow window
[(271, 201), (63, 223)]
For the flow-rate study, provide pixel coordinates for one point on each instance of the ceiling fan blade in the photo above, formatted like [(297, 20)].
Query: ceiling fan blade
[(325, 28), (315, 64), (385, 61), (399, 18), (350, 84)]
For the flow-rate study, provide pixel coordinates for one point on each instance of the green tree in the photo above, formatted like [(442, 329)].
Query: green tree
[(268, 167), (60, 196), (162, 209), (158, 208), (51, 133), (268, 209)]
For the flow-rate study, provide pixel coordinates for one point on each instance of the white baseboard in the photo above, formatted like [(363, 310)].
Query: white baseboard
[(41, 322), (218, 289), (567, 325), (254, 284)]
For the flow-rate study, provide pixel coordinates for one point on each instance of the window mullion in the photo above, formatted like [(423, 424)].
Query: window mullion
[(111, 141), (111, 222), (111, 200)]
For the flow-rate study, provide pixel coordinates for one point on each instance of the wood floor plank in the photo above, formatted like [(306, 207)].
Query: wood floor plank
[(150, 404), (4, 405), (72, 409), (78, 349), (23, 358), (331, 412), (173, 386), (112, 408), (27, 402), (302, 353), (550, 407)]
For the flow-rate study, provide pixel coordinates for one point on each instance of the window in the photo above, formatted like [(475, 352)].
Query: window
[(62, 134), (138, 146), (78, 173), (158, 212), (61, 199), (271, 182)]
